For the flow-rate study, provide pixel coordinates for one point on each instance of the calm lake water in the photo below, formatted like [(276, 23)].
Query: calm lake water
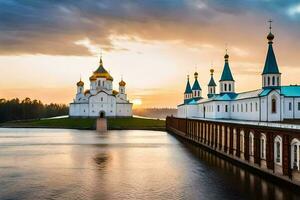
[(73, 164)]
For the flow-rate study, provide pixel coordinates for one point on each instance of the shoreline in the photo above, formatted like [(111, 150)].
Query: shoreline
[(132, 123)]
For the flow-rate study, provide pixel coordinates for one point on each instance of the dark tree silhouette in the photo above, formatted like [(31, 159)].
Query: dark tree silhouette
[(15, 109)]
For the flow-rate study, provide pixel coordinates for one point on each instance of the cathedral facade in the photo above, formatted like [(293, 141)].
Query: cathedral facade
[(271, 102), (100, 100)]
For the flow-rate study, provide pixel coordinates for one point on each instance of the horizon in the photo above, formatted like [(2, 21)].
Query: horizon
[(43, 57)]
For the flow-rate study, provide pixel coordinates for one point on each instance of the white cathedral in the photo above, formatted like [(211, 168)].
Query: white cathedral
[(271, 102), (101, 99)]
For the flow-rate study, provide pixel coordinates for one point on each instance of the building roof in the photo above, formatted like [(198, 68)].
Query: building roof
[(188, 88), (101, 72), (226, 74), (196, 85), (287, 91), (271, 66), (212, 81)]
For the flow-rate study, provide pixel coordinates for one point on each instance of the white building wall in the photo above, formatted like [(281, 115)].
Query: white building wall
[(124, 109), (245, 109)]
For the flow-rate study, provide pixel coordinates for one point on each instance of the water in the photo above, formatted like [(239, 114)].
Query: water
[(73, 164)]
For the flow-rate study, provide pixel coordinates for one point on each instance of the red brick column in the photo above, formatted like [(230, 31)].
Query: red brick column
[(220, 137), (270, 150), (246, 140), (286, 155), (216, 136), (238, 144), (230, 140), (226, 139), (257, 147)]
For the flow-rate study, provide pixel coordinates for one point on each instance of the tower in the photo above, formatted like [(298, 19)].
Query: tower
[(122, 93), (226, 81), (80, 87), (196, 89), (211, 85), (188, 94), (271, 77)]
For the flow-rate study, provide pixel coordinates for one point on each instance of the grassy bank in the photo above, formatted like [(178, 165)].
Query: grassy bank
[(89, 124)]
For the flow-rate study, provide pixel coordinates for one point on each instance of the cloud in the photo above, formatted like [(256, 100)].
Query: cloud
[(72, 27)]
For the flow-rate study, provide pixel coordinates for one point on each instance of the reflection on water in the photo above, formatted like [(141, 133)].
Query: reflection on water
[(72, 164)]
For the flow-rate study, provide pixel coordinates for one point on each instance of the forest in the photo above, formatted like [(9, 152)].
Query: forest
[(16, 109)]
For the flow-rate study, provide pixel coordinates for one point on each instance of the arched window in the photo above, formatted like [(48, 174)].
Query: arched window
[(226, 108), (268, 80), (264, 81), (295, 154), (246, 107), (273, 80), (263, 146), (278, 150), (250, 107), (225, 87), (290, 106), (278, 81), (99, 83), (273, 105), (229, 87)]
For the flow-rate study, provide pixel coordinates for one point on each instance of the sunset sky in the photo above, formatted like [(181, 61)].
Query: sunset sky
[(45, 46)]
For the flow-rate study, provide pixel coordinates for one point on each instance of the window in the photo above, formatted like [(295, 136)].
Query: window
[(229, 87), (277, 152), (268, 80), (256, 106), (218, 108), (198, 93), (241, 107), (232, 108), (101, 98), (225, 86), (250, 107), (246, 107), (273, 105), (278, 81), (264, 81), (99, 83), (290, 106), (298, 105), (226, 108), (238, 107), (273, 80)]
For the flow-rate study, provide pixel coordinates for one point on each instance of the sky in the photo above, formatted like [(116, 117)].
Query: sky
[(46, 46)]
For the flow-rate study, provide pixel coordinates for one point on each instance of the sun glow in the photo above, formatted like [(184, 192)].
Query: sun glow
[(137, 102)]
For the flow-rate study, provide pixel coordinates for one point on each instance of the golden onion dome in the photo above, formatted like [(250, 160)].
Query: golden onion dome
[(80, 83), (109, 78), (86, 92), (115, 92), (93, 78), (122, 83), (270, 37)]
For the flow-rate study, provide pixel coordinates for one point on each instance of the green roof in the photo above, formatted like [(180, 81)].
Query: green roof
[(271, 66), (226, 74), (212, 82), (188, 88), (196, 85)]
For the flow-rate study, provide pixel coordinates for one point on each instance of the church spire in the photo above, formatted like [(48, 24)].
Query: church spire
[(226, 81), (226, 74), (101, 62), (211, 85), (271, 66), (271, 77)]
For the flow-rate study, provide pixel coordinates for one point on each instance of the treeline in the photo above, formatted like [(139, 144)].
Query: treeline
[(159, 113), (16, 109)]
